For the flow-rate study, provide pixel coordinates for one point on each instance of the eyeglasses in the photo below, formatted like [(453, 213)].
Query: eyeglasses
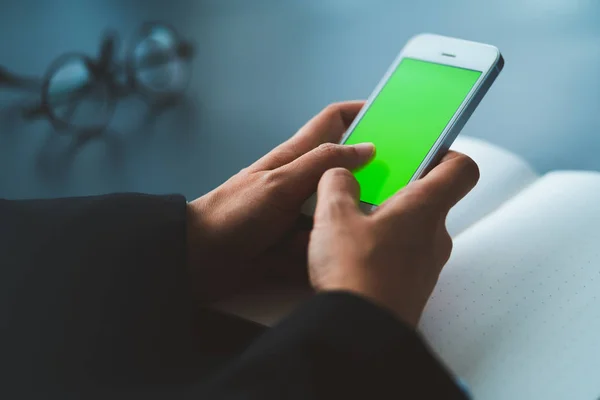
[(80, 93)]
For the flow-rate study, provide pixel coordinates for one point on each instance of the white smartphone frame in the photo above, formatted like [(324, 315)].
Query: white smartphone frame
[(441, 50)]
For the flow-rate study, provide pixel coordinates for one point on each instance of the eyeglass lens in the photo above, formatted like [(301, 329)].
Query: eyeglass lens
[(76, 98), (158, 65)]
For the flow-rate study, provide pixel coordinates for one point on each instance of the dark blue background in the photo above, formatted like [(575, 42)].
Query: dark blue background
[(263, 67)]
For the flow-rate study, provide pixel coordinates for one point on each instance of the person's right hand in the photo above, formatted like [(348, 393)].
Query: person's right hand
[(392, 257)]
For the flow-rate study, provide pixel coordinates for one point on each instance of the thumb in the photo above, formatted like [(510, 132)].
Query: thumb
[(302, 175), (338, 195)]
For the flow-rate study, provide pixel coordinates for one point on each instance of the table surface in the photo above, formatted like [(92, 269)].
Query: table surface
[(263, 67)]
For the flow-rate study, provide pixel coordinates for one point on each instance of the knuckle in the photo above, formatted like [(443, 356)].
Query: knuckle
[(284, 154), (336, 208), (419, 195), (335, 204), (330, 150), (244, 171), (423, 198), (338, 173), (270, 179), (332, 109)]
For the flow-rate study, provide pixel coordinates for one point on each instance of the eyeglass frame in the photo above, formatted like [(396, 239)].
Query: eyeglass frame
[(104, 69)]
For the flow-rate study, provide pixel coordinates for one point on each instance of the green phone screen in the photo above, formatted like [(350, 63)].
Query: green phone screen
[(404, 121)]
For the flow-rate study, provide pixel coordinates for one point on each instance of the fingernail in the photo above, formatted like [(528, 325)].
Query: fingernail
[(365, 150)]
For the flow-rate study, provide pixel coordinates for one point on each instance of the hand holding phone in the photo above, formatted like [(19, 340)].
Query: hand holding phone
[(417, 110), (394, 256)]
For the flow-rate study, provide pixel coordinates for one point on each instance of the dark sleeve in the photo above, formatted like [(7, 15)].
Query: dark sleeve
[(95, 295), (96, 300), (337, 346)]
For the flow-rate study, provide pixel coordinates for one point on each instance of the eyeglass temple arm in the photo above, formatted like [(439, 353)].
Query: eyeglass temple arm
[(34, 111), (184, 49), (10, 79)]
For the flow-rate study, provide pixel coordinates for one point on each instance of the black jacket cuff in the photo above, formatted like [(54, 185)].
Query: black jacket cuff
[(367, 351)]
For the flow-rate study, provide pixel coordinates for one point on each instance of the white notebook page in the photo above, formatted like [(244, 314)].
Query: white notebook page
[(516, 312), (502, 175)]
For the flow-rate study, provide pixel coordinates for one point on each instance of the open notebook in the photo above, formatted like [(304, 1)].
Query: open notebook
[(516, 311)]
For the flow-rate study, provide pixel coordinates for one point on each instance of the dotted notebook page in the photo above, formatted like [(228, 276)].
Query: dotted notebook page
[(502, 176), (516, 312)]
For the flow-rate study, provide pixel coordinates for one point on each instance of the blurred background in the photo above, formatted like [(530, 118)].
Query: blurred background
[(261, 68)]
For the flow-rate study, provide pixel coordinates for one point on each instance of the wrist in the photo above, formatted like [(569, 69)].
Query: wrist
[(198, 246), (194, 229)]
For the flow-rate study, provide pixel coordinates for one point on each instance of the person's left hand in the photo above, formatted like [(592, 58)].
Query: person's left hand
[(250, 223)]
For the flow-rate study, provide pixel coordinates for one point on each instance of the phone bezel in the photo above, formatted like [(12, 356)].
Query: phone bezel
[(448, 51)]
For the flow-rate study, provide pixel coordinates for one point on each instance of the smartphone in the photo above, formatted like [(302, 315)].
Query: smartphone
[(417, 110)]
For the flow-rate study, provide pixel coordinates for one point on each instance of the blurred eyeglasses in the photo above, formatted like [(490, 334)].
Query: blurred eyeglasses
[(79, 93)]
